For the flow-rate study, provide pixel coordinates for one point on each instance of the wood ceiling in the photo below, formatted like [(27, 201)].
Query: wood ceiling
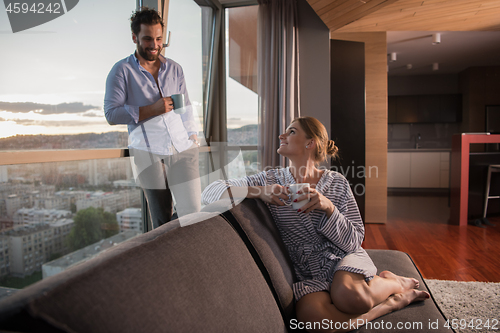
[(408, 15)]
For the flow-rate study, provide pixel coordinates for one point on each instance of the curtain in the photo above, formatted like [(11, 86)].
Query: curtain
[(278, 75), (214, 125)]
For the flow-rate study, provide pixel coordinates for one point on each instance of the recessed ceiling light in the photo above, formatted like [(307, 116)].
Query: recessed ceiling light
[(436, 38)]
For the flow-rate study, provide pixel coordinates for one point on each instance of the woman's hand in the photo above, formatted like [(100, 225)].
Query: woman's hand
[(273, 194), (318, 201)]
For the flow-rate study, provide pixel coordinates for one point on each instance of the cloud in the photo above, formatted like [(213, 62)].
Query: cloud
[(53, 123), (26, 107), (93, 114), (25, 121)]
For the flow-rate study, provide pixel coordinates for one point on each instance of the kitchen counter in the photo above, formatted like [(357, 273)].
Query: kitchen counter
[(418, 168), (460, 159)]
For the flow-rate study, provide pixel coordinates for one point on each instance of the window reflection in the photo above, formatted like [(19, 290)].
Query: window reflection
[(241, 79), (246, 165), (190, 28)]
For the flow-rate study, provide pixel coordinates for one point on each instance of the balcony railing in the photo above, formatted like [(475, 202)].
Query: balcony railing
[(64, 155)]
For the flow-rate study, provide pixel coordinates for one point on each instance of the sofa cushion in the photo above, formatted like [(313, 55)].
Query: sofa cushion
[(198, 278)]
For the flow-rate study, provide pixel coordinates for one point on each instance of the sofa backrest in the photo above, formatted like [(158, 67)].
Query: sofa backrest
[(197, 278), (258, 230)]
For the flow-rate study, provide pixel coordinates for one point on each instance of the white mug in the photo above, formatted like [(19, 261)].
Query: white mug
[(293, 189)]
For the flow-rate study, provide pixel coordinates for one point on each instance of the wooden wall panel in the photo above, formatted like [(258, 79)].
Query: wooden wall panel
[(338, 13), (376, 121), (408, 15), (429, 15)]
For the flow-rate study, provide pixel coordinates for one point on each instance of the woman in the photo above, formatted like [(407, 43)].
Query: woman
[(337, 280)]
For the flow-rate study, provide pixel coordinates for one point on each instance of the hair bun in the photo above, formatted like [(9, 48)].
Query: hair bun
[(332, 149)]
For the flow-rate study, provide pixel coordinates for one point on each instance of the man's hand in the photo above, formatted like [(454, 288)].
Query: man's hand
[(194, 138), (168, 104), (161, 106)]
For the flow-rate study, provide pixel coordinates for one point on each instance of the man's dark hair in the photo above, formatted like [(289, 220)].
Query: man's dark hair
[(144, 16)]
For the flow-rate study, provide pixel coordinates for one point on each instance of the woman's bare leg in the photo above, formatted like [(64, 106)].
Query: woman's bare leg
[(316, 313), (352, 294)]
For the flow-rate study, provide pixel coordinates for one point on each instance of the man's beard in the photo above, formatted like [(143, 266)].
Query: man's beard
[(149, 57)]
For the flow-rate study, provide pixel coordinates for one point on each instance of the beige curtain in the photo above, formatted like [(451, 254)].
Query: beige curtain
[(278, 77)]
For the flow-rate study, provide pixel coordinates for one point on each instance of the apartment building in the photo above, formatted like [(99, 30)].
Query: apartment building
[(14, 196), (111, 201), (130, 219), (29, 246), (35, 215), (59, 265), (4, 174), (4, 255)]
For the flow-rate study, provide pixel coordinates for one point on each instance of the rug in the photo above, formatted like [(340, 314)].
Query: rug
[(469, 306)]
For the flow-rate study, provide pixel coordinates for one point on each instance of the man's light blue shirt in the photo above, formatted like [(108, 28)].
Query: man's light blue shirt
[(130, 86)]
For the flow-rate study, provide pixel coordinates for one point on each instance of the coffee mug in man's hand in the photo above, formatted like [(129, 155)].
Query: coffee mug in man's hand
[(178, 100), (293, 189)]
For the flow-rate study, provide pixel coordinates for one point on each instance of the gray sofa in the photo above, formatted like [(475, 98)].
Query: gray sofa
[(215, 271)]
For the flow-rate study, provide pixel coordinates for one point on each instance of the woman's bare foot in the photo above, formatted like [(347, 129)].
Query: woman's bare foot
[(406, 283), (399, 301)]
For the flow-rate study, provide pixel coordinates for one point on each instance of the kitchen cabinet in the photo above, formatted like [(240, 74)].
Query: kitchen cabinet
[(392, 113), (451, 108), (418, 169), (424, 170), (406, 109), (444, 170), (429, 109), (413, 109), (398, 169)]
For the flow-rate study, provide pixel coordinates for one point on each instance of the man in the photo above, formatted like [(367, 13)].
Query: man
[(163, 143)]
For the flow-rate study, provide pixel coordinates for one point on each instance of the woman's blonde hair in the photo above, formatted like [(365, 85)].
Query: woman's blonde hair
[(315, 130)]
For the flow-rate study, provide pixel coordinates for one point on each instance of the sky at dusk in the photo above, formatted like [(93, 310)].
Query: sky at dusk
[(53, 76)]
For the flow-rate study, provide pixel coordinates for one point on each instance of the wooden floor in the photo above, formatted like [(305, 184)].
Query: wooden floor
[(419, 226)]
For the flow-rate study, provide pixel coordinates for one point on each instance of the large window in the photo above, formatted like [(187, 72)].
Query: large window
[(51, 98), (241, 83), (54, 215)]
